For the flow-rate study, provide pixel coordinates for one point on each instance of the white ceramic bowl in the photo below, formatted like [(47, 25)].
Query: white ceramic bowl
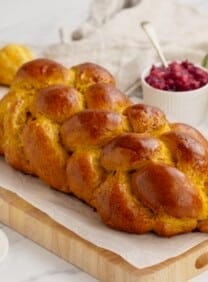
[(184, 106)]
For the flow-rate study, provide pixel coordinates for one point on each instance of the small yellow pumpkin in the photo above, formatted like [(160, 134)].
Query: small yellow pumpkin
[(12, 56)]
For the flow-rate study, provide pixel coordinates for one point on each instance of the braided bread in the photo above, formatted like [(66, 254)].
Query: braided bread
[(81, 135)]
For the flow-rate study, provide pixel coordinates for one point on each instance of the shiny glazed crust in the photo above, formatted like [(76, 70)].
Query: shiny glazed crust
[(81, 135)]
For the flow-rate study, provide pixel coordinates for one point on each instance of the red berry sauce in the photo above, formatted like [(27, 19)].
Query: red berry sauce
[(177, 76)]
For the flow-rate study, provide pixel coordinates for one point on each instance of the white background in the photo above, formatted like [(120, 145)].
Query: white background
[(38, 22)]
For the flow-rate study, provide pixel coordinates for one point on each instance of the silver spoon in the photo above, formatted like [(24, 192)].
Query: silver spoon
[(150, 32)]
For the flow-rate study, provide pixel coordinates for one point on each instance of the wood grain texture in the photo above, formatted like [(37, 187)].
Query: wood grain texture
[(102, 264)]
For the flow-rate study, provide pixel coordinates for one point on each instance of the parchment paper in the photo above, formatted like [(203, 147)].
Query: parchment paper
[(139, 250)]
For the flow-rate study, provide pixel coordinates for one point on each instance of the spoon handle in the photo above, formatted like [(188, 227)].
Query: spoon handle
[(149, 30)]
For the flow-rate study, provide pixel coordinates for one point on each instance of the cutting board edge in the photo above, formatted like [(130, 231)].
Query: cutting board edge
[(40, 228)]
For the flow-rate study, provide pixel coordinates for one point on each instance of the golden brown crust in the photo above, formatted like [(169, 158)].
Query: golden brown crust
[(4, 108), (169, 226), (190, 130), (13, 121), (58, 102), (81, 135), (84, 175), (146, 119), (106, 97), (203, 226), (40, 73), (187, 152), (118, 209), (91, 128), (164, 189), (130, 151), (87, 74), (47, 156)]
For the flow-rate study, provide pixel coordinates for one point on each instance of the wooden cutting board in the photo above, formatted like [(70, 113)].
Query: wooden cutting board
[(102, 264)]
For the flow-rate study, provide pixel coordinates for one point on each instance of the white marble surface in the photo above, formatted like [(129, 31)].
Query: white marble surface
[(26, 261)]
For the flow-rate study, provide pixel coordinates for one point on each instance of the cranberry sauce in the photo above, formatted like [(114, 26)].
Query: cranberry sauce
[(177, 76)]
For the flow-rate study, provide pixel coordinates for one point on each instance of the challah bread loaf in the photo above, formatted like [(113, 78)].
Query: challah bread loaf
[(38, 74), (81, 135)]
